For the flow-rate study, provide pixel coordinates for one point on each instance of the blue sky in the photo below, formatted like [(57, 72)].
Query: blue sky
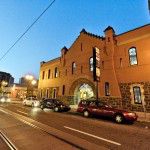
[(59, 27)]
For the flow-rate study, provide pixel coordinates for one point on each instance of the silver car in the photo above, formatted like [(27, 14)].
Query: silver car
[(31, 101)]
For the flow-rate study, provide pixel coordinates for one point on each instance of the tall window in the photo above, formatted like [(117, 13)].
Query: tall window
[(63, 90), (47, 93), (73, 67), (120, 62), (54, 93), (56, 72), (133, 56), (137, 95), (107, 90), (49, 73), (91, 63), (43, 74)]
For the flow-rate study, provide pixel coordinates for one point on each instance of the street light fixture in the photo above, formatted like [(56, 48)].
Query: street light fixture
[(30, 83)]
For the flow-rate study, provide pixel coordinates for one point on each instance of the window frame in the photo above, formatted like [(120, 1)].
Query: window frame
[(135, 95), (56, 72), (73, 67), (107, 89), (49, 74), (134, 56)]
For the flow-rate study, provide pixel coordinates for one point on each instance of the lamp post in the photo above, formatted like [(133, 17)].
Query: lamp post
[(30, 84), (2, 85)]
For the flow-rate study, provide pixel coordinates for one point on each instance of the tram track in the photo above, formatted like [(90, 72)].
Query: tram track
[(73, 141), (7, 141)]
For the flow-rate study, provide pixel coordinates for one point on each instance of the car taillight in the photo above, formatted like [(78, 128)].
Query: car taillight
[(129, 114)]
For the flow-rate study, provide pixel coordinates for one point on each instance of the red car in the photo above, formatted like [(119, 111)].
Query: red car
[(98, 108)]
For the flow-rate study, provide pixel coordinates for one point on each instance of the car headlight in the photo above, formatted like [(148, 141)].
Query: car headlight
[(3, 100), (8, 100)]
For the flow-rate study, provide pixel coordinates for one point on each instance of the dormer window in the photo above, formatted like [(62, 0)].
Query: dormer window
[(133, 56)]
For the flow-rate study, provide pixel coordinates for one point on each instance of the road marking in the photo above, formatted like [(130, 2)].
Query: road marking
[(97, 137), (22, 112)]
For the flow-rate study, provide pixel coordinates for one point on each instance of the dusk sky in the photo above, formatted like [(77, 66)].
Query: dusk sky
[(59, 27)]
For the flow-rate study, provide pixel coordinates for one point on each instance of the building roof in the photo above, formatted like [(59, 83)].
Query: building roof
[(134, 29)]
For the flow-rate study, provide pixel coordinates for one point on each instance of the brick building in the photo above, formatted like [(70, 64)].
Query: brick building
[(124, 67)]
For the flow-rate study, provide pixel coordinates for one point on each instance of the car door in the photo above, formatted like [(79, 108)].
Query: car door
[(93, 107), (104, 110)]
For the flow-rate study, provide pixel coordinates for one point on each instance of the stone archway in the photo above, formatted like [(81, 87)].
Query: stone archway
[(82, 89)]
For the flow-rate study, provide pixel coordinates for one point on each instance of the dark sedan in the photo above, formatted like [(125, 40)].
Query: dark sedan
[(98, 108), (54, 104)]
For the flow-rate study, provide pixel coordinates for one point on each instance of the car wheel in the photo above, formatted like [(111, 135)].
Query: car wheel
[(119, 118), (86, 113), (56, 109)]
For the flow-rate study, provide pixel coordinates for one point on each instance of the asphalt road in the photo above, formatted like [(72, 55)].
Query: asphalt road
[(94, 130)]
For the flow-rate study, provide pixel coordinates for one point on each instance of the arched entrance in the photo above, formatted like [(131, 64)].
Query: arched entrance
[(85, 91), (82, 89)]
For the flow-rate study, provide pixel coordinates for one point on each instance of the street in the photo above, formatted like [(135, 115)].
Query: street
[(33, 128)]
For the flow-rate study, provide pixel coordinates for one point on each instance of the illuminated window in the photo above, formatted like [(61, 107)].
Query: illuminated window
[(133, 56), (91, 63), (137, 95), (73, 67), (56, 72)]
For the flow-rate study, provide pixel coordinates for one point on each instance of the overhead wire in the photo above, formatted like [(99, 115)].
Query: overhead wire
[(10, 48)]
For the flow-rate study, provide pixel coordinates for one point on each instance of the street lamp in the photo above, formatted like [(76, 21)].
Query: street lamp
[(30, 83)]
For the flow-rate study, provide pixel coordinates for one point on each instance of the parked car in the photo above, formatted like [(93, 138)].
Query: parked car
[(4, 99), (54, 104), (31, 101), (98, 108)]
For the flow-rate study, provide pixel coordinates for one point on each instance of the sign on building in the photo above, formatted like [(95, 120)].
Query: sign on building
[(96, 64)]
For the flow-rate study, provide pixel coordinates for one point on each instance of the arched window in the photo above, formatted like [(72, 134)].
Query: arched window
[(133, 56), (73, 67), (56, 72), (91, 63)]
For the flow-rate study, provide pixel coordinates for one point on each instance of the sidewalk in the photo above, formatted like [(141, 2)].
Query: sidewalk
[(143, 117)]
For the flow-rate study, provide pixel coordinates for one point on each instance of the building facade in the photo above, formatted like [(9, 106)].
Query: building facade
[(124, 70), (4, 76)]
